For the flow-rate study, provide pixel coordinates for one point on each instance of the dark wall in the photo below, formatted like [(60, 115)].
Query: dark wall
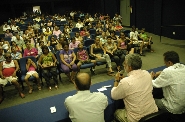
[(152, 14)]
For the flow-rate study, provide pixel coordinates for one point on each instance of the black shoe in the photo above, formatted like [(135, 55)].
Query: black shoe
[(1, 100), (141, 54)]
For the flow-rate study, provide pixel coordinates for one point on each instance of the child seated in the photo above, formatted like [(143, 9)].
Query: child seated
[(83, 57), (31, 67)]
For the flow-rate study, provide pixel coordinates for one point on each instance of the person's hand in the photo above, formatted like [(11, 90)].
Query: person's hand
[(117, 76), (72, 63), (152, 74), (98, 57), (157, 73), (14, 74), (3, 77), (69, 66)]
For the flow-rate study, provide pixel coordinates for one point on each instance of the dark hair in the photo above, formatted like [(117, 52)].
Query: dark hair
[(45, 47), (109, 37), (65, 43), (83, 86), (171, 56)]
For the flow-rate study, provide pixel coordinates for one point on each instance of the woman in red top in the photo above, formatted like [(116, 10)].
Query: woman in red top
[(8, 69)]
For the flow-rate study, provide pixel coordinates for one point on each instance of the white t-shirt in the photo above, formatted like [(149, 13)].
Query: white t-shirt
[(134, 35)]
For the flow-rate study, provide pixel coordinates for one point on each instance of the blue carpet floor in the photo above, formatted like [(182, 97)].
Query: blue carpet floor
[(39, 110)]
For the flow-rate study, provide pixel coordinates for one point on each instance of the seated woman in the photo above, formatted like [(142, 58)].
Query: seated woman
[(118, 26), (74, 43), (122, 44), (5, 45), (8, 34), (17, 48), (111, 49), (30, 51), (31, 71), (16, 55), (68, 58), (8, 69), (59, 45), (83, 57), (47, 62), (53, 42), (96, 51), (47, 33)]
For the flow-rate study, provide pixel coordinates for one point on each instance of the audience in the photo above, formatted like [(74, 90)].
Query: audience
[(135, 90), (85, 106), (172, 82)]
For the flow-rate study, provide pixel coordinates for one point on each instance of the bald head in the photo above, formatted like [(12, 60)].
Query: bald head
[(83, 81)]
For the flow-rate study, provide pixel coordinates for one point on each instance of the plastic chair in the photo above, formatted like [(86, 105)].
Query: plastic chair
[(62, 23), (127, 33), (72, 34), (117, 33), (92, 31), (88, 42), (160, 116), (61, 28), (75, 30)]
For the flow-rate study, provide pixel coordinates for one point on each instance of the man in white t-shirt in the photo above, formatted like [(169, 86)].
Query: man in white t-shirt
[(134, 38), (85, 106)]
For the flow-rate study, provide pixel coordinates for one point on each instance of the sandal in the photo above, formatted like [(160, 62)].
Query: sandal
[(56, 87), (1, 100), (39, 88), (50, 88), (30, 91), (111, 73), (21, 95)]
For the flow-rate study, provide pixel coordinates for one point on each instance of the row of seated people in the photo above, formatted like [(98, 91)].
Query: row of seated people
[(67, 57)]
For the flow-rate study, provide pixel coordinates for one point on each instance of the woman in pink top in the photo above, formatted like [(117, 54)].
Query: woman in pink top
[(31, 67), (83, 57), (29, 51)]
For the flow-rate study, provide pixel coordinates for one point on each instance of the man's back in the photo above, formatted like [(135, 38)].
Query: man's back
[(86, 107)]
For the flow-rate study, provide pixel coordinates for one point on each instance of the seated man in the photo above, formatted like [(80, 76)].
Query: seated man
[(134, 40), (8, 69), (146, 39), (85, 106), (172, 82), (135, 90)]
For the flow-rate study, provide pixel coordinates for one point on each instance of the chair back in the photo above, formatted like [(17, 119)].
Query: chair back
[(75, 30), (92, 31), (88, 42), (22, 63), (72, 34)]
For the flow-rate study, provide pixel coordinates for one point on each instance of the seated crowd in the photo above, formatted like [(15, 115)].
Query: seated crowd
[(42, 37)]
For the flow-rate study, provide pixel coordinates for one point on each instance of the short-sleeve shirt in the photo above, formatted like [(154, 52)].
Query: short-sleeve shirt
[(68, 57)]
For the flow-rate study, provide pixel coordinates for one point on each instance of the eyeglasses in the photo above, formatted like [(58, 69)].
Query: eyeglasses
[(8, 57)]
